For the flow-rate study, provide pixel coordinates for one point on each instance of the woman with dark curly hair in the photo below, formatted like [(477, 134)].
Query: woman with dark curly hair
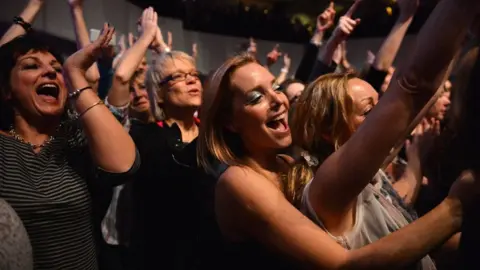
[(53, 158)]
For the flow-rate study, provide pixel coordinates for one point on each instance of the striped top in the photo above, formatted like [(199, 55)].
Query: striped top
[(50, 192)]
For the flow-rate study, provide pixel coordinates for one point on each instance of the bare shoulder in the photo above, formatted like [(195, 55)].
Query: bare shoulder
[(245, 199), (244, 185)]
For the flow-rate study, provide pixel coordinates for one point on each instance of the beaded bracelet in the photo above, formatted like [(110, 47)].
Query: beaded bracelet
[(89, 108), (20, 21), (77, 92)]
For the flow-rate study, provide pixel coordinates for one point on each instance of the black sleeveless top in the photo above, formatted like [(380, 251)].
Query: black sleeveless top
[(252, 256)]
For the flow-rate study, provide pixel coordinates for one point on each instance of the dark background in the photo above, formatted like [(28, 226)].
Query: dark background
[(276, 19)]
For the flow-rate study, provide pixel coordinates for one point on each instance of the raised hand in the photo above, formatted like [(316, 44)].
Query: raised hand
[(252, 48), (423, 140), (370, 57), (148, 23), (272, 57), (194, 50), (158, 44), (169, 39), (327, 18), (346, 25), (287, 61), (86, 57), (121, 43), (131, 40)]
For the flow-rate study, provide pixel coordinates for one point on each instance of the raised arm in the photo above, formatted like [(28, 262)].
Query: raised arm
[(324, 21), (248, 203), (284, 71), (83, 40), (346, 26), (272, 56), (195, 51), (119, 94), (28, 15), (353, 166), (389, 49), (111, 147)]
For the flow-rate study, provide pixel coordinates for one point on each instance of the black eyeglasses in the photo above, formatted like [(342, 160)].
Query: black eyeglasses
[(179, 77)]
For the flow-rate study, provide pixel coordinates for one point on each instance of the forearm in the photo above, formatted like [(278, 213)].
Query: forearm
[(409, 185), (403, 247), (416, 82), (317, 38), (111, 147), (28, 15), (81, 31), (283, 76), (83, 39), (119, 94), (131, 59), (389, 49), (325, 55)]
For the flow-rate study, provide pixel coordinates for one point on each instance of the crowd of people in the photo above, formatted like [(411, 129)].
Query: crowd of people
[(150, 164)]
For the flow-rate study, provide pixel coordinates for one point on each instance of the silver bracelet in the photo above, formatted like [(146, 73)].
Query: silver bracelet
[(77, 92)]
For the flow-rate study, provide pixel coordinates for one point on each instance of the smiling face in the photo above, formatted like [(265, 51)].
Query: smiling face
[(259, 112), (181, 86), (37, 85), (139, 101)]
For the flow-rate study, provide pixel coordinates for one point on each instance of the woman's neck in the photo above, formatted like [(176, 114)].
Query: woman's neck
[(35, 132), (266, 163), (186, 123)]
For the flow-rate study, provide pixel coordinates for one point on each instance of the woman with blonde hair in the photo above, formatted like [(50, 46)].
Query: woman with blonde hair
[(169, 182), (329, 112), (245, 125)]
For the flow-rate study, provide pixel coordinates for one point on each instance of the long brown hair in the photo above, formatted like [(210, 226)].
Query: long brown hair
[(320, 125), (215, 141)]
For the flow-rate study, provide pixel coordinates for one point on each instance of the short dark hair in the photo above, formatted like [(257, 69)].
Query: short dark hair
[(9, 54)]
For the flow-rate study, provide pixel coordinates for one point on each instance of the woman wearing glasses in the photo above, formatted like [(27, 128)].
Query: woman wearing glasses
[(180, 225)]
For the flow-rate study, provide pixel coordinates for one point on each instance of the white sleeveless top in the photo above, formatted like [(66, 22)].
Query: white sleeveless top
[(375, 217)]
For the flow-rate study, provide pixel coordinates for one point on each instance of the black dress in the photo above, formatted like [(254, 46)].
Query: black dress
[(173, 212)]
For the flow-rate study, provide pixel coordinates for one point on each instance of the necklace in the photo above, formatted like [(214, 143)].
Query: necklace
[(19, 138)]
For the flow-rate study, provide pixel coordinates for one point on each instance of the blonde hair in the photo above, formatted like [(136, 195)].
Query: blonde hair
[(215, 141), (156, 73), (320, 125)]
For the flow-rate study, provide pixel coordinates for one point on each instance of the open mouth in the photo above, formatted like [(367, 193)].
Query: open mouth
[(194, 91), (48, 90), (278, 123)]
